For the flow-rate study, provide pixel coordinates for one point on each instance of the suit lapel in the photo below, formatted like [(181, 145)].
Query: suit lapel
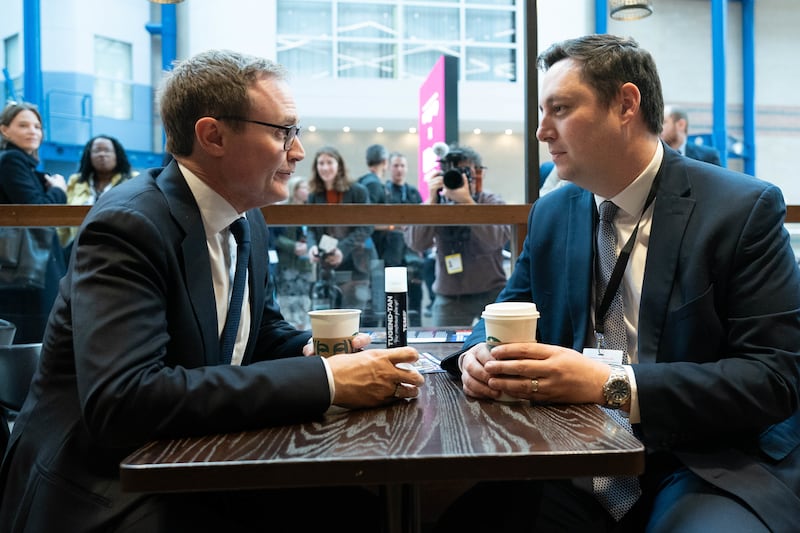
[(196, 266), (579, 263), (671, 213)]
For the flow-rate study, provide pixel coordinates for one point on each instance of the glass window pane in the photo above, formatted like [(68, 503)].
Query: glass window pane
[(113, 92), (313, 59), (432, 23), (402, 40), (492, 2), (490, 26), (305, 18), (13, 61), (366, 20), (420, 60), (490, 64), (366, 60)]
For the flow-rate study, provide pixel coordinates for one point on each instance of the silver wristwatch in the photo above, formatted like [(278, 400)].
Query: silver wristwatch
[(617, 389)]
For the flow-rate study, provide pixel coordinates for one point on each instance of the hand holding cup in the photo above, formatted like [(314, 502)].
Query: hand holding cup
[(508, 322)]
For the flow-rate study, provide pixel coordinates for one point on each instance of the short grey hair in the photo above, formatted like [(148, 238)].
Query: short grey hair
[(210, 84)]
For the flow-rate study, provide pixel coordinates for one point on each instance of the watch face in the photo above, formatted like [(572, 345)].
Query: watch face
[(617, 390)]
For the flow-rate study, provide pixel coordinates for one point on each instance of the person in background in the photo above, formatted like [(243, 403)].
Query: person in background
[(330, 184), (135, 350), (295, 274), (395, 250), (377, 161), (469, 260), (21, 183), (675, 132), (103, 165), (695, 348)]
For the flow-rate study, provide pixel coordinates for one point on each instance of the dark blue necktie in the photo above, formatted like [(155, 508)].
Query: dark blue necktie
[(241, 232), (617, 494)]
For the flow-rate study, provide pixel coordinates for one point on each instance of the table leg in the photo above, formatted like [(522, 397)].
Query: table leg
[(401, 508)]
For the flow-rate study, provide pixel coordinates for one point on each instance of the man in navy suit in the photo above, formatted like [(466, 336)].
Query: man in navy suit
[(675, 132), (132, 348), (711, 304)]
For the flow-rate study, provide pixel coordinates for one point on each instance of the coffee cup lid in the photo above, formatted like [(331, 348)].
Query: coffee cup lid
[(511, 310)]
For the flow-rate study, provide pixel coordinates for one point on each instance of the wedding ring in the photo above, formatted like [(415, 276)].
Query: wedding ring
[(396, 390), (534, 385)]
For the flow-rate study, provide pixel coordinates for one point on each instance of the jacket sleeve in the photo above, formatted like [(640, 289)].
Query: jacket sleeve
[(22, 185), (731, 334)]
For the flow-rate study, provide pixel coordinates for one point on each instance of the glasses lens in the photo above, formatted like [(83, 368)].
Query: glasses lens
[(291, 135)]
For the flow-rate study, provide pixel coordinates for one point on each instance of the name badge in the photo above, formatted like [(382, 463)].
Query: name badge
[(273, 257), (611, 357), (453, 264)]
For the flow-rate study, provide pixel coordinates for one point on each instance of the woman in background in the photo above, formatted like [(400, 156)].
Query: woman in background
[(21, 183), (103, 165), (295, 274), (330, 183)]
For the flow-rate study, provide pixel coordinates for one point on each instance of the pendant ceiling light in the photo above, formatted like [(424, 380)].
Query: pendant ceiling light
[(630, 9)]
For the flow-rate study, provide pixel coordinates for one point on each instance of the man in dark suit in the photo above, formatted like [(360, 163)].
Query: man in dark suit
[(132, 349), (675, 132), (709, 372)]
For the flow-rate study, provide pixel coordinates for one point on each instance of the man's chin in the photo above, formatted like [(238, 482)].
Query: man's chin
[(277, 196)]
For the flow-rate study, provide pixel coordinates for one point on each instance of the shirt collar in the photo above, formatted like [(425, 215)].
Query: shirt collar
[(632, 198), (216, 212)]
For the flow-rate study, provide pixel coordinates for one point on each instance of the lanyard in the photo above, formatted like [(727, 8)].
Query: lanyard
[(619, 269)]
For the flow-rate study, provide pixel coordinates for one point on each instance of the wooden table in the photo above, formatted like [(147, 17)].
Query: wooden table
[(442, 436)]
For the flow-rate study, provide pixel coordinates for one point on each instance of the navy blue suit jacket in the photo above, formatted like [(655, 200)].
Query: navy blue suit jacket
[(709, 154), (131, 354), (719, 324)]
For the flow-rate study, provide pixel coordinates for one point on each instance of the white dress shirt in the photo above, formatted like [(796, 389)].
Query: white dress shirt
[(217, 215), (631, 202)]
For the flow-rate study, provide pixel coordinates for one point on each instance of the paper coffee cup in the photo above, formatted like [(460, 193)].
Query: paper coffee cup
[(333, 330), (510, 322), (507, 322)]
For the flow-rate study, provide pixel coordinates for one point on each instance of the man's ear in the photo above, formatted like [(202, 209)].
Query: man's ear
[(630, 100), (210, 134)]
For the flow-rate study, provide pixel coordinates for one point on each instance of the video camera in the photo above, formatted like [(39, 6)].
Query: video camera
[(449, 161)]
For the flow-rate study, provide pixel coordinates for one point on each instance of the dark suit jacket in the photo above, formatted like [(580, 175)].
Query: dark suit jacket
[(374, 186), (131, 353), (719, 324), (709, 154)]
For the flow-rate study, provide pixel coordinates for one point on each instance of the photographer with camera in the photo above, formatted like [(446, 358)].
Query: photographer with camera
[(469, 259)]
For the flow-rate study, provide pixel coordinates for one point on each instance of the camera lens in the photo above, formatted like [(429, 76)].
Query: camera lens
[(452, 179)]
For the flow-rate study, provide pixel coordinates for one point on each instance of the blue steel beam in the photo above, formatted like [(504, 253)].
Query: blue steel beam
[(169, 35), (32, 32), (601, 16), (719, 132), (749, 86)]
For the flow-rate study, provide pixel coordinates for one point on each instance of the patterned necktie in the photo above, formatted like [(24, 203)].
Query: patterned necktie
[(616, 494), (241, 232)]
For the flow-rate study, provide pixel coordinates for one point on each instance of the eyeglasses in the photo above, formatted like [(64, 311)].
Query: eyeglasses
[(290, 132)]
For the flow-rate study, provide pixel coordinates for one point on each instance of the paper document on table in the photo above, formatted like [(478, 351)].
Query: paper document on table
[(428, 364)]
